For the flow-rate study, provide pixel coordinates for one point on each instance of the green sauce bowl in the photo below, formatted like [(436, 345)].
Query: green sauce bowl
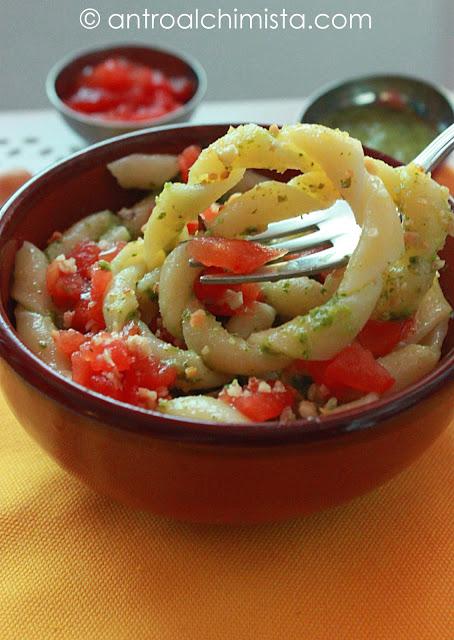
[(396, 115)]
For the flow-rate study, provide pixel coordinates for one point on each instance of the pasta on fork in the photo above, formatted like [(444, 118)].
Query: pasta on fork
[(127, 316)]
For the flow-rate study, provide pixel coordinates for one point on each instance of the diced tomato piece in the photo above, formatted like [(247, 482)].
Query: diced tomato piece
[(137, 96), (112, 252), (237, 256), (88, 312), (150, 373), (260, 400), (113, 74), (137, 113), (193, 226), (315, 369), (186, 159), (220, 300), (260, 407), (65, 289), (69, 341), (81, 320), (120, 112), (81, 369), (106, 384), (92, 100), (100, 281), (107, 353), (353, 368), (209, 215), (120, 355), (142, 79), (357, 368), (105, 364), (382, 337), (182, 88), (160, 81), (86, 253), (163, 98)]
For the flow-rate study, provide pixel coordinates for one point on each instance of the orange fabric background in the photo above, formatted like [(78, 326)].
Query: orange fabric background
[(74, 565)]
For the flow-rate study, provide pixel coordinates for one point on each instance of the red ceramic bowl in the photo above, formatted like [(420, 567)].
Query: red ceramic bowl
[(180, 468)]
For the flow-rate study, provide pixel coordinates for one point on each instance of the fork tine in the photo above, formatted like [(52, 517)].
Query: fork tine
[(300, 223), (290, 226), (300, 243), (333, 257), (328, 232)]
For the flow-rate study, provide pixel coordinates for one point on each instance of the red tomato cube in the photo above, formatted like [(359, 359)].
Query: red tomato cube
[(237, 256)]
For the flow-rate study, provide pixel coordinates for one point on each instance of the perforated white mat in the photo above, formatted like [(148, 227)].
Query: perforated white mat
[(35, 139)]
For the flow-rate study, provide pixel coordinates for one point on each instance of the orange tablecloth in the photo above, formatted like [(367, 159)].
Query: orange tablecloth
[(74, 565)]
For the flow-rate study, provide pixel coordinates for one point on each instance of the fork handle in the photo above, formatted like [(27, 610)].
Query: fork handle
[(437, 150)]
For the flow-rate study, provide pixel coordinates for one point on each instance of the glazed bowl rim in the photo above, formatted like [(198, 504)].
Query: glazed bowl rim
[(126, 125), (167, 427)]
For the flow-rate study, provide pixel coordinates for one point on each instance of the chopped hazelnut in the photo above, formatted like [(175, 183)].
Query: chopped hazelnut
[(191, 373), (197, 319), (307, 409), (287, 416), (66, 265)]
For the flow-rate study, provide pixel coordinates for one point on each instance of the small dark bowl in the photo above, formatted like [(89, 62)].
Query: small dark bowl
[(179, 467), (93, 128)]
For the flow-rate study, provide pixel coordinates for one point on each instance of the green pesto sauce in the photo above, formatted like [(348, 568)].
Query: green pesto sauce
[(398, 133), (327, 314)]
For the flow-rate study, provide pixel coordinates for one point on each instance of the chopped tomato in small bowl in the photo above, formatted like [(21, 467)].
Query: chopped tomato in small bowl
[(119, 88)]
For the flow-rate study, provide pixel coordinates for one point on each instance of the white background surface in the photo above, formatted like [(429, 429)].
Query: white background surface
[(409, 36), (35, 139)]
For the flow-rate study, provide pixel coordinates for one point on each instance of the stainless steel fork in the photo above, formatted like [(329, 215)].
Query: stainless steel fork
[(335, 225)]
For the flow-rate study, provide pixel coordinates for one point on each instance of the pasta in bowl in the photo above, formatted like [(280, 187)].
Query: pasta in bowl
[(225, 405), (114, 302)]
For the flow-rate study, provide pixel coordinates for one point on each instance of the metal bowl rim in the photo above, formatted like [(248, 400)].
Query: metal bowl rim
[(336, 84)]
